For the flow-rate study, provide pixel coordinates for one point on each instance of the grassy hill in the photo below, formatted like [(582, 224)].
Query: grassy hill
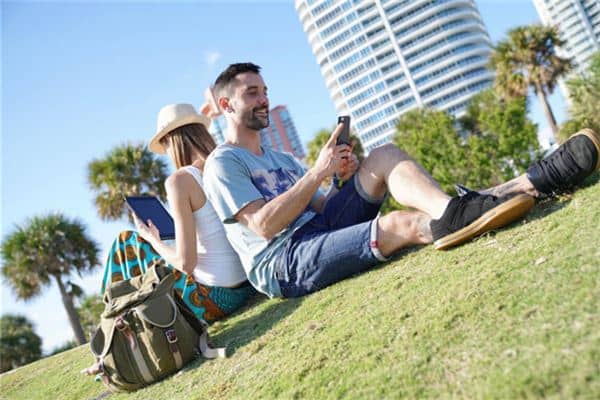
[(513, 314)]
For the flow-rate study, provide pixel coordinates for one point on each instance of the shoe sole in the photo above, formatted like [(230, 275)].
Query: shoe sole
[(595, 138), (497, 217)]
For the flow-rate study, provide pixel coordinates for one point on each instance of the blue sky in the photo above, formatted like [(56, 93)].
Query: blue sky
[(80, 78)]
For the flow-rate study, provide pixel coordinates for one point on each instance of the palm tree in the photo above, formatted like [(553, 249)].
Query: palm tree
[(126, 170), (51, 246), (528, 59)]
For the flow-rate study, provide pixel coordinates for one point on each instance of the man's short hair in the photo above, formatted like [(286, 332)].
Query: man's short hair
[(226, 78)]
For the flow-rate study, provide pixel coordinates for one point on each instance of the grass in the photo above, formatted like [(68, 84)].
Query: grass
[(513, 314)]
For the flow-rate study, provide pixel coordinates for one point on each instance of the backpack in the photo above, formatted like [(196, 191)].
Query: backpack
[(146, 332)]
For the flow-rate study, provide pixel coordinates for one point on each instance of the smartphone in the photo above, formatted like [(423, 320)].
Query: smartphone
[(344, 137)]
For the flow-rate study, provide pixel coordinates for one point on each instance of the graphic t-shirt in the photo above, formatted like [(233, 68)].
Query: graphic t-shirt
[(234, 177)]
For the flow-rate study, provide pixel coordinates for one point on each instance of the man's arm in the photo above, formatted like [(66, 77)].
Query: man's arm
[(347, 169), (267, 219)]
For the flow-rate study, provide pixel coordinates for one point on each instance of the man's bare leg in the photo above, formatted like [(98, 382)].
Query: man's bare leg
[(390, 169), (567, 166), (400, 229), (520, 184), (387, 168)]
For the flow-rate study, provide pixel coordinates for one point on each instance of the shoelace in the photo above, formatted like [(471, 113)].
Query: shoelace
[(458, 220)]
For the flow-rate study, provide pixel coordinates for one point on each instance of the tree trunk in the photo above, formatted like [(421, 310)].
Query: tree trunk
[(547, 110), (67, 300)]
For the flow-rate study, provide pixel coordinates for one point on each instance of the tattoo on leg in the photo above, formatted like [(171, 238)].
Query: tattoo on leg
[(504, 189)]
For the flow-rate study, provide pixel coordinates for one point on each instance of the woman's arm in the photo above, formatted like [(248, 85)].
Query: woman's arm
[(182, 189)]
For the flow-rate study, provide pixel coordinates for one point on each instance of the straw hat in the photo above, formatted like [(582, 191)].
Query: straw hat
[(172, 117)]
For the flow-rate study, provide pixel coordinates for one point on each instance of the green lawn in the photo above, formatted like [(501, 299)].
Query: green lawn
[(514, 314)]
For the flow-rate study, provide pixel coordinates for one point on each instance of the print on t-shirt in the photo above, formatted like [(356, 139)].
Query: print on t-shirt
[(271, 183)]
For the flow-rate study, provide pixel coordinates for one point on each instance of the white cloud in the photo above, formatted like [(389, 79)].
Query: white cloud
[(211, 58)]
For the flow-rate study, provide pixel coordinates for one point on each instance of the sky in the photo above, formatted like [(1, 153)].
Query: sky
[(79, 78)]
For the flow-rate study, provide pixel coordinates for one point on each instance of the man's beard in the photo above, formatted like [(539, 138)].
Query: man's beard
[(255, 123)]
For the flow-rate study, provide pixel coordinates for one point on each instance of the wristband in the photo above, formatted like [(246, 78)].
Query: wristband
[(337, 182)]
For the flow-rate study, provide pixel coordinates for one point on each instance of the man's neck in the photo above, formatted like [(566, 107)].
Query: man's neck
[(246, 138)]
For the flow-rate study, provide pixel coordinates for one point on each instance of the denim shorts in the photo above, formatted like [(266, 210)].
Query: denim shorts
[(331, 246)]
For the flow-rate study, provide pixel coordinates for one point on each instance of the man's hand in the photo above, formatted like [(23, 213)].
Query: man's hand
[(331, 155), (348, 167)]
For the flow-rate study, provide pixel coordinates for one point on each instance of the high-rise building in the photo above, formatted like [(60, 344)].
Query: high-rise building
[(280, 135), (578, 22), (381, 58)]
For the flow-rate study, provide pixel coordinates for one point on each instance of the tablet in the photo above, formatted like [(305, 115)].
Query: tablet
[(150, 208)]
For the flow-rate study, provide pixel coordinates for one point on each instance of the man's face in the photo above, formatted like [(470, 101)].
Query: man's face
[(249, 101)]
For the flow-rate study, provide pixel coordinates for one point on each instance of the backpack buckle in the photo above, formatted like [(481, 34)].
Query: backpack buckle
[(121, 324), (171, 335)]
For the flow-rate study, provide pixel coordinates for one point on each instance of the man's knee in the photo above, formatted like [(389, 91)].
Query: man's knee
[(387, 153)]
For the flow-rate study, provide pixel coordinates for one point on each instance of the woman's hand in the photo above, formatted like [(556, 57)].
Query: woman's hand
[(148, 232)]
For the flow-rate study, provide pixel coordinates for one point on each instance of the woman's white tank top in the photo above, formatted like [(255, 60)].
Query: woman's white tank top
[(218, 264)]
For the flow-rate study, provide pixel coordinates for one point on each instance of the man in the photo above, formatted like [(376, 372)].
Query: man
[(293, 240)]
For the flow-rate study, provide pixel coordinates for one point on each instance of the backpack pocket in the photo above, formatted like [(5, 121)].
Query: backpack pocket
[(168, 339)]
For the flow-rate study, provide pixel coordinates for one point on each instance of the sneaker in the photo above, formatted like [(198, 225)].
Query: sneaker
[(570, 164), (462, 190), (474, 214)]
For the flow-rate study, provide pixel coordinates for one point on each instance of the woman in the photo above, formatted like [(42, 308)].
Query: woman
[(209, 275)]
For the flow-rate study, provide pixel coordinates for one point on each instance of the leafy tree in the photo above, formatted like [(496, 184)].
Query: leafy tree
[(19, 344), (390, 204), (430, 138), (571, 126), (89, 312), (497, 142), (527, 58), (49, 247), (125, 170), (584, 92), (68, 345), (502, 141)]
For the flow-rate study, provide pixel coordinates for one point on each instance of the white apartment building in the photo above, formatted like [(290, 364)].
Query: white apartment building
[(579, 24), (381, 58)]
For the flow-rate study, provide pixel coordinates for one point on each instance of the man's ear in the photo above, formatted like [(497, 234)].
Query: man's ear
[(224, 104)]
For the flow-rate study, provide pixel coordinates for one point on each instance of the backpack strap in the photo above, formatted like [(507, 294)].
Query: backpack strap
[(202, 329), (123, 326), (208, 351), (171, 335)]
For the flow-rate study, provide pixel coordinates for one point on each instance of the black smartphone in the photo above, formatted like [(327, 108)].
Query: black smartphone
[(344, 137)]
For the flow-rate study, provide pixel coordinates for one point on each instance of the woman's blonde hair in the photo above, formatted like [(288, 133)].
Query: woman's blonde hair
[(186, 139)]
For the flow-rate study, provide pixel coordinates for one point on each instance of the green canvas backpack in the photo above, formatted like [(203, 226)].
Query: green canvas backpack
[(146, 333)]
